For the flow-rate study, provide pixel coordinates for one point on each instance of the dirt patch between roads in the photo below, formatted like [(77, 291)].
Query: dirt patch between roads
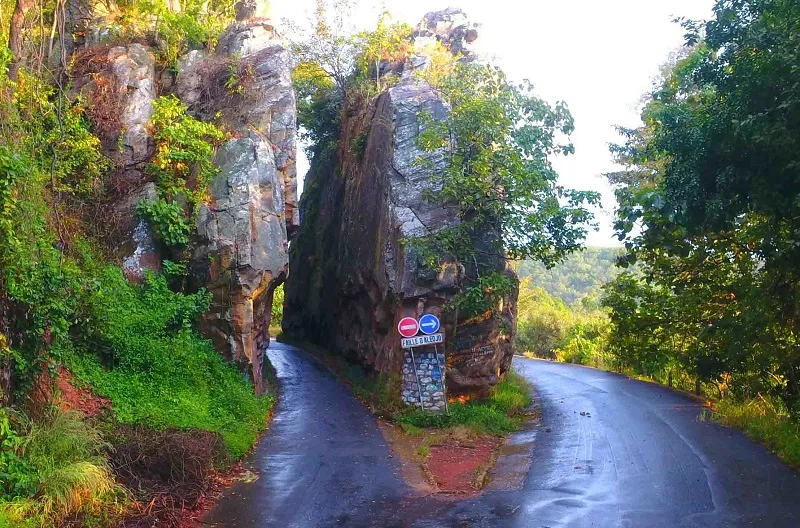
[(462, 469), (450, 461)]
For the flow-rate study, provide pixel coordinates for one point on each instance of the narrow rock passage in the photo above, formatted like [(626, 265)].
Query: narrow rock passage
[(322, 462)]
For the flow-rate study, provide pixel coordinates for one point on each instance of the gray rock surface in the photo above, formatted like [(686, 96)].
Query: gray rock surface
[(134, 68), (241, 251), (452, 28), (263, 102)]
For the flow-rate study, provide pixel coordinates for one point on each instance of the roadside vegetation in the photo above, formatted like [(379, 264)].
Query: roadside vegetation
[(502, 412)]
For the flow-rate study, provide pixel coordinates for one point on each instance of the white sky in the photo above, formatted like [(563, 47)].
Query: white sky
[(599, 56)]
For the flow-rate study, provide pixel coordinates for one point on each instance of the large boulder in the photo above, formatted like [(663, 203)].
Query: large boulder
[(262, 99), (241, 251), (241, 248), (354, 275)]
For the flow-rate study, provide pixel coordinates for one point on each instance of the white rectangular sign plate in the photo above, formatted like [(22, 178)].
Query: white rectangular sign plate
[(421, 340)]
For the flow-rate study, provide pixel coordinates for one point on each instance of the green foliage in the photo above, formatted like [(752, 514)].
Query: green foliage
[(336, 66), (238, 71), (497, 140), (198, 23), (65, 470), (33, 274), (183, 169), (498, 414), (183, 163), (18, 477), (579, 279), (548, 328), (140, 350), (441, 66), (167, 220), (276, 319), (359, 144), (708, 210), (328, 43), (319, 106), (387, 43), (483, 296)]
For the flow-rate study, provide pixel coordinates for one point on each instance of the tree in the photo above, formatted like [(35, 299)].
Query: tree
[(330, 43), (713, 181), (498, 140), (15, 36), (388, 42)]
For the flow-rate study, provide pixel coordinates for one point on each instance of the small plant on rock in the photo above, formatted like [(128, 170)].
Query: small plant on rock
[(182, 167)]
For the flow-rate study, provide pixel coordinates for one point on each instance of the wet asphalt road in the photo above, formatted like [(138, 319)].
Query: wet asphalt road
[(639, 456), (322, 462)]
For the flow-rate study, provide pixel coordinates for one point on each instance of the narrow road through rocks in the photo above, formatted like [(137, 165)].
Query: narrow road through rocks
[(322, 462), (610, 452)]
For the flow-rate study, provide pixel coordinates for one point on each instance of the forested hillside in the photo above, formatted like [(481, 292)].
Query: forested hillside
[(581, 275)]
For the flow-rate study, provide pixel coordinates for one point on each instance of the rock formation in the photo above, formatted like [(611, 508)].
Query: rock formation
[(239, 251), (353, 274), (119, 85)]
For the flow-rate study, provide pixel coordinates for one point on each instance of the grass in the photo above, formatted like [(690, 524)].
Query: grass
[(766, 422), (141, 351), (64, 457), (499, 414)]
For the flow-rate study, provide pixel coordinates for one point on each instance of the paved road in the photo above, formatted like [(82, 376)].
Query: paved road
[(638, 457), (323, 461)]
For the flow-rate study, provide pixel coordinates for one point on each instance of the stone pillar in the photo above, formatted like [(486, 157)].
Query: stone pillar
[(426, 381)]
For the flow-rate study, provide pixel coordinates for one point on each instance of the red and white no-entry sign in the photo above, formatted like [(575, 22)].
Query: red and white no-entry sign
[(408, 327)]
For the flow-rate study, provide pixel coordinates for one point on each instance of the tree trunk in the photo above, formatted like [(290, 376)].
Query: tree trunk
[(15, 36)]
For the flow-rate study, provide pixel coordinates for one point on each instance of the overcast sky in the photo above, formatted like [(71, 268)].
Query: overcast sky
[(600, 56)]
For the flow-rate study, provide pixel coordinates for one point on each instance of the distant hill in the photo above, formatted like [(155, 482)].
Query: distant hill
[(581, 275)]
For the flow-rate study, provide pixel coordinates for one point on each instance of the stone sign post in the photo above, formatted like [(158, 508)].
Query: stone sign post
[(423, 364)]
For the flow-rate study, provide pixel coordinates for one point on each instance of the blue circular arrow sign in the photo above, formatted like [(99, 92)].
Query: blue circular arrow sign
[(429, 324)]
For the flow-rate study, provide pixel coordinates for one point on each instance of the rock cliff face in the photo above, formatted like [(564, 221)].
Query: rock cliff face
[(239, 251), (119, 85), (353, 277)]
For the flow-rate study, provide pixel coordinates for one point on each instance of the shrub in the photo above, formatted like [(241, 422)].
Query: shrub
[(167, 220), (183, 169), (180, 463)]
